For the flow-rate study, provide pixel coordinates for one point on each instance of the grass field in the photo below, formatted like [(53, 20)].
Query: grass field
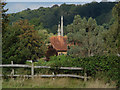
[(55, 83)]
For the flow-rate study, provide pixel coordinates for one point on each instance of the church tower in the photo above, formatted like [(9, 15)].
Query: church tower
[(61, 25), (59, 31), (60, 28)]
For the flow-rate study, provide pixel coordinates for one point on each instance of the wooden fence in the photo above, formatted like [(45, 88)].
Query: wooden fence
[(45, 67)]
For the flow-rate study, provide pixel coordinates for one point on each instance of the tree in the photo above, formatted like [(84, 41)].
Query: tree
[(112, 36), (116, 14), (4, 21), (22, 43), (49, 17), (45, 35), (85, 37)]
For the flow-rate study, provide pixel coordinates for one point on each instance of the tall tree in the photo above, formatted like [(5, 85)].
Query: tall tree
[(4, 21), (85, 36), (22, 43), (5, 17), (116, 14), (112, 36)]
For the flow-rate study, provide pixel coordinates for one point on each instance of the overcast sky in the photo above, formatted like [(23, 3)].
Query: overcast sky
[(53, 0), (17, 7)]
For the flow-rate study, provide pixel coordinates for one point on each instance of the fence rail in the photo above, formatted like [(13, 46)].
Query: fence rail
[(46, 76), (28, 66), (15, 65), (45, 67)]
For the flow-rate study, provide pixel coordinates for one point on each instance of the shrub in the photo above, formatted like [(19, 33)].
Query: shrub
[(107, 64)]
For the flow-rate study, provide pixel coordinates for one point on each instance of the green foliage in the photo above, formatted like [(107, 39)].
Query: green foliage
[(112, 36), (5, 17), (85, 37), (105, 65), (50, 17), (45, 35), (4, 21), (108, 65), (22, 42)]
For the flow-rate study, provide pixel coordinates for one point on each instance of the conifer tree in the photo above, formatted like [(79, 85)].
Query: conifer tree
[(3, 25)]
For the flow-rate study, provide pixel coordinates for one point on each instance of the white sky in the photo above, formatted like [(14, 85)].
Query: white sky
[(53, 0)]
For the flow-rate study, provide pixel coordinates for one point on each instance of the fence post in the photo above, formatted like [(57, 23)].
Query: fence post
[(12, 69), (53, 75), (32, 70), (85, 75)]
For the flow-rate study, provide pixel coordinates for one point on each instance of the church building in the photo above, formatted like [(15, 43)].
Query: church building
[(58, 44)]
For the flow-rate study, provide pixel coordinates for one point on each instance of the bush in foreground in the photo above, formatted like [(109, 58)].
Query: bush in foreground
[(106, 65)]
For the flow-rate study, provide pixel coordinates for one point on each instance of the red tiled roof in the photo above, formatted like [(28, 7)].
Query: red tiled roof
[(59, 43)]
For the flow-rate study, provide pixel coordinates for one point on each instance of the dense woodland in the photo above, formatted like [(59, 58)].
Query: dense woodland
[(94, 28), (49, 17)]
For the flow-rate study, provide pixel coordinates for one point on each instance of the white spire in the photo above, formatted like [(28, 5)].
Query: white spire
[(61, 25), (59, 33)]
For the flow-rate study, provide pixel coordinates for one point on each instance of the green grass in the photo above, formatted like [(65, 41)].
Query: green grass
[(55, 83)]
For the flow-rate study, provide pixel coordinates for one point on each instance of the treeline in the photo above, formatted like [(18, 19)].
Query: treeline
[(50, 17), (86, 38)]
